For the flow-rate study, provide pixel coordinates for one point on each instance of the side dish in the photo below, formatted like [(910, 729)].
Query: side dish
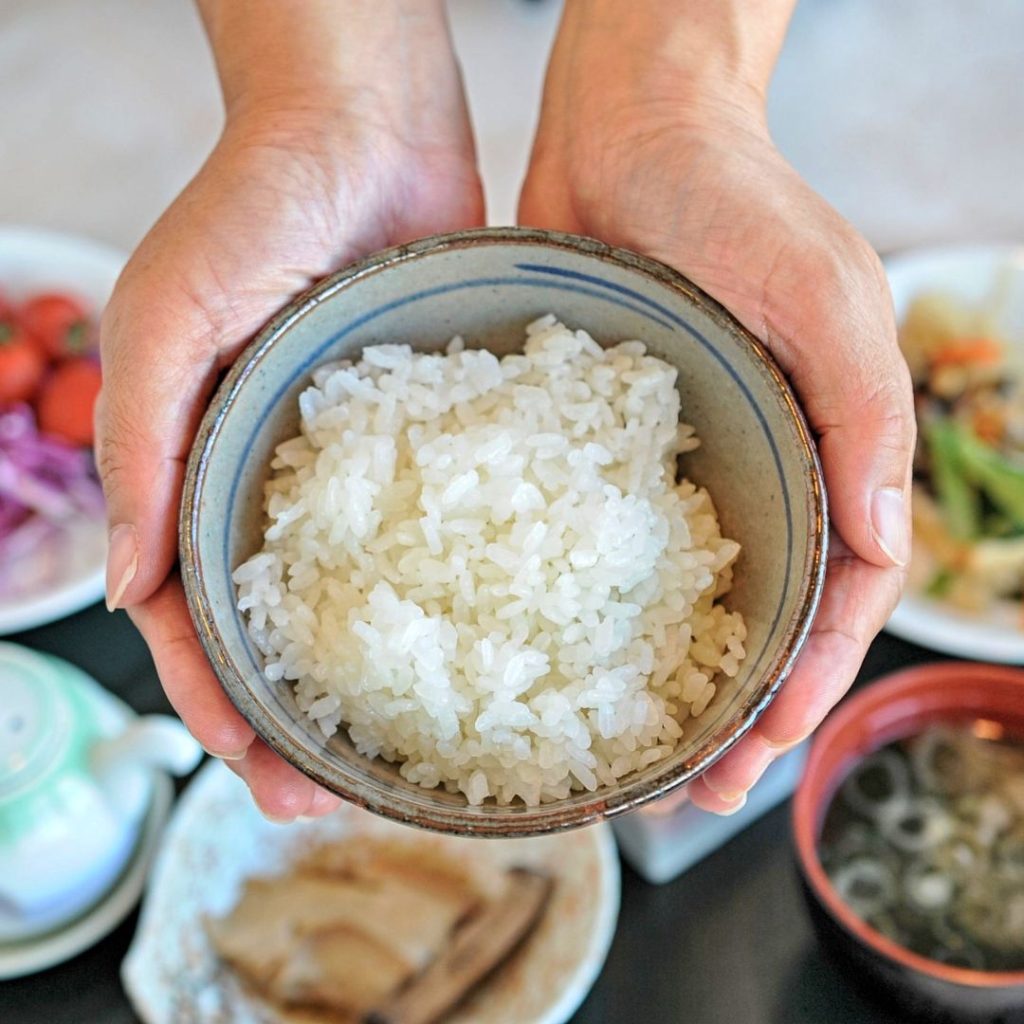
[(375, 933), (49, 380), (969, 468)]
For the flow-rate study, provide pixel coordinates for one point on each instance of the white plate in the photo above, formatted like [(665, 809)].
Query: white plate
[(968, 272), (217, 839), (32, 955), (32, 259)]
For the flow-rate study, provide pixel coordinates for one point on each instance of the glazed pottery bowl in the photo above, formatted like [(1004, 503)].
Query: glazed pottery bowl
[(756, 458), (987, 698)]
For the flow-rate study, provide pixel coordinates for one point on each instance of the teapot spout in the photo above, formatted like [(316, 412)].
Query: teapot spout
[(155, 741)]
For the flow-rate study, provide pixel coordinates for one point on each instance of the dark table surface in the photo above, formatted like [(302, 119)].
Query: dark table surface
[(727, 943)]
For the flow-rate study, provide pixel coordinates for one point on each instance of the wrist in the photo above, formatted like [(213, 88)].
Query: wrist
[(692, 55), (358, 58)]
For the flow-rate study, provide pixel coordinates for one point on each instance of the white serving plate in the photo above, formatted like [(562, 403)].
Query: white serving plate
[(970, 272), (217, 839), (32, 259)]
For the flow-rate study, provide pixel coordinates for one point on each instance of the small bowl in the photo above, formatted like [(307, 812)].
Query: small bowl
[(756, 459), (895, 708)]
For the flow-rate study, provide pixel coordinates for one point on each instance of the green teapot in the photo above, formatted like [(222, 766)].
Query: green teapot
[(76, 777)]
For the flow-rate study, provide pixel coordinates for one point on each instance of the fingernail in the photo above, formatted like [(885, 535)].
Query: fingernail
[(122, 563), (736, 804), (741, 802), (729, 796), (889, 523), (322, 803), (272, 819), (234, 755), (780, 747)]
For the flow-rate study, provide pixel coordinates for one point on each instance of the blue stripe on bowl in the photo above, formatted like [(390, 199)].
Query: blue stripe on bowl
[(557, 279)]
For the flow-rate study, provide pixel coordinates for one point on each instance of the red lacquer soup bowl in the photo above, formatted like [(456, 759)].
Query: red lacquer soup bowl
[(990, 700)]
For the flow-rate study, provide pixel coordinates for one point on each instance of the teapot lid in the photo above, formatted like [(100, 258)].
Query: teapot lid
[(35, 720)]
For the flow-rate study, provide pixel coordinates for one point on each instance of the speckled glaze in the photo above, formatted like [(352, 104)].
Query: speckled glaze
[(756, 458)]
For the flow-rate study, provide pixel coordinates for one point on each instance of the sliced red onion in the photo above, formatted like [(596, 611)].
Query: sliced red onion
[(41, 478)]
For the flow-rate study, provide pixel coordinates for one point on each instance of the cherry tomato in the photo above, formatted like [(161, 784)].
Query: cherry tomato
[(59, 323), (67, 399), (21, 365)]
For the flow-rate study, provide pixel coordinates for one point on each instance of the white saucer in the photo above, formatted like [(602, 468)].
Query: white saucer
[(30, 956)]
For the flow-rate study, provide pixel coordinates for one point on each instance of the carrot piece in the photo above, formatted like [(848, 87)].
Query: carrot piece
[(989, 425), (969, 352)]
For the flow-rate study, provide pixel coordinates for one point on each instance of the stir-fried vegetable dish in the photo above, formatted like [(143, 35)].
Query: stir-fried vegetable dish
[(969, 466), (925, 841)]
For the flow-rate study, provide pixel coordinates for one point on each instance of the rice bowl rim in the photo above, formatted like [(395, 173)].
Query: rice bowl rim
[(514, 820)]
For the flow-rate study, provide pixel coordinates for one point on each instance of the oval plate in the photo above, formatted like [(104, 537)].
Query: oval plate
[(217, 839)]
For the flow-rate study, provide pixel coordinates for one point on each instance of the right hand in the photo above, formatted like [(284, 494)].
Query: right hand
[(300, 183), (648, 142)]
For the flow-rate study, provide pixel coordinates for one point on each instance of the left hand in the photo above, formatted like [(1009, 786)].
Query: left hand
[(326, 155), (641, 155)]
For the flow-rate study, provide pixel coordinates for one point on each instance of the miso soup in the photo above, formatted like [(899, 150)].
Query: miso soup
[(924, 840)]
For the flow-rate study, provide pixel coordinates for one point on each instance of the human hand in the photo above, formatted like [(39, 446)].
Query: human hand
[(651, 139), (308, 175)]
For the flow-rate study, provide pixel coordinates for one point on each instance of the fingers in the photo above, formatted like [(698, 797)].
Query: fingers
[(282, 793), (858, 396), (816, 294), (857, 600), (742, 767), (190, 684)]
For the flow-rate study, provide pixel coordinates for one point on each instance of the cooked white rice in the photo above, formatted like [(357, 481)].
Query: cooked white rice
[(485, 569)]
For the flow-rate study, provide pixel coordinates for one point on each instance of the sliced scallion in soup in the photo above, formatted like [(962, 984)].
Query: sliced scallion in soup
[(924, 840)]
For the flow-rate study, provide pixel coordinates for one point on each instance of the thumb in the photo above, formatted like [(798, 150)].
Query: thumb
[(163, 340), (867, 444), (841, 353), (155, 380)]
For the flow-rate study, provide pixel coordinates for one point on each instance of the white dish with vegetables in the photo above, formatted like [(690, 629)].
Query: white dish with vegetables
[(961, 317), (53, 288)]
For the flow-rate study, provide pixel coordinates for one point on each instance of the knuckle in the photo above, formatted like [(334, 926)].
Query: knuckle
[(890, 407), (118, 438)]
